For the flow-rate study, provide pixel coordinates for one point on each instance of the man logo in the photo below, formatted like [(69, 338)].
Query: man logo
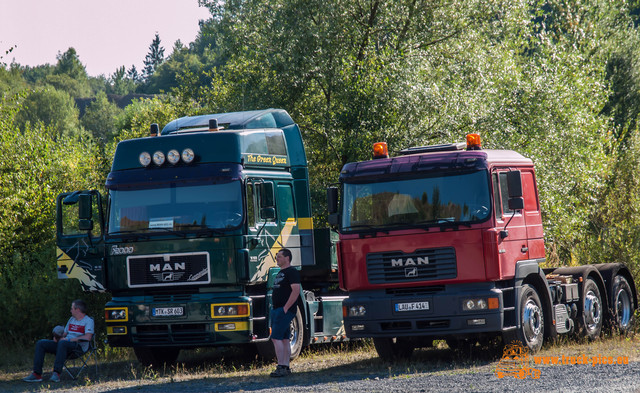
[(411, 272), (409, 261)]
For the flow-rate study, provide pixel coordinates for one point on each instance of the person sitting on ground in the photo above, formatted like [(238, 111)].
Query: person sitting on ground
[(75, 336)]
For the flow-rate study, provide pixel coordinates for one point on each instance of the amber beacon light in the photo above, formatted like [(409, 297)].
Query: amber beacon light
[(380, 150), (473, 142)]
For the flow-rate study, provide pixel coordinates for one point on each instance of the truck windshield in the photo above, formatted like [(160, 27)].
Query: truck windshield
[(458, 199), (176, 208)]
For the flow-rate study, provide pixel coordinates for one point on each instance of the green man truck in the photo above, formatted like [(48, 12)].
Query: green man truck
[(446, 242), (186, 237)]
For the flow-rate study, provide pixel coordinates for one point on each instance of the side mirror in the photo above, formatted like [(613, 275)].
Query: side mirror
[(516, 203), (334, 220), (267, 195), (332, 200), (85, 225), (84, 207), (268, 213), (514, 184)]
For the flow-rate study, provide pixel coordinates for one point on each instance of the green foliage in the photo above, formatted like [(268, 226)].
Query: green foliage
[(35, 168), (100, 119), (52, 108)]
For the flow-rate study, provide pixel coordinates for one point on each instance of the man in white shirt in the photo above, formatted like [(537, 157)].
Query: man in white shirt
[(77, 333)]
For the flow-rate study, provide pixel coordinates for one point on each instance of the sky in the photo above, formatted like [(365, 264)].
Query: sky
[(106, 34)]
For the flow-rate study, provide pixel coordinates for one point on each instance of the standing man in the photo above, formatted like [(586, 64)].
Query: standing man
[(286, 290), (79, 327)]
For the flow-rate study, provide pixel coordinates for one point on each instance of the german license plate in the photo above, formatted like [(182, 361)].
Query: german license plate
[(167, 311), (415, 306)]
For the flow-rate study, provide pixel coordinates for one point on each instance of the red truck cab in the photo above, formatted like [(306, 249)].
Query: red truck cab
[(439, 242)]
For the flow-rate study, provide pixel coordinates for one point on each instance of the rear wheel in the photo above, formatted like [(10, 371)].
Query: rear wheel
[(531, 331), (591, 318), (296, 340), (622, 305), (393, 348), (156, 357)]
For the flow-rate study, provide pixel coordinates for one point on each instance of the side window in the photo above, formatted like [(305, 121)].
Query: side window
[(70, 220), (501, 194), (251, 205), (497, 205), (285, 202)]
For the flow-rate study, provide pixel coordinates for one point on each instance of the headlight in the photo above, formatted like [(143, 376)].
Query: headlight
[(229, 310), (357, 311), (116, 314), (480, 304), (158, 158), (144, 158), (187, 155), (173, 157)]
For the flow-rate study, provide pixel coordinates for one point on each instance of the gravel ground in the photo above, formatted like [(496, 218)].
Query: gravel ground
[(577, 378), (360, 370)]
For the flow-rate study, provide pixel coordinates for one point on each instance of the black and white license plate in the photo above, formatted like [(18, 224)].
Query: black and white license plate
[(414, 306), (167, 311)]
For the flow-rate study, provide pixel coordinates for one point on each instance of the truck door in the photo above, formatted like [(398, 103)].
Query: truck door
[(80, 239), (262, 228), (514, 247)]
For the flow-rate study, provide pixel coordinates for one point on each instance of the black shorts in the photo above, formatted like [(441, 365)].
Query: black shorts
[(280, 323)]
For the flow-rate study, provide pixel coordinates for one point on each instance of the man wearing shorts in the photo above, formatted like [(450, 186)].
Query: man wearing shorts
[(286, 290)]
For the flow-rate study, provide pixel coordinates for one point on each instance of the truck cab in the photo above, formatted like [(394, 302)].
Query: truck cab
[(186, 237)]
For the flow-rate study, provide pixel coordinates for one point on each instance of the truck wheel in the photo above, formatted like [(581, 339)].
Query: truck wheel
[(622, 305), (591, 318), (296, 339), (531, 331), (156, 357), (393, 348)]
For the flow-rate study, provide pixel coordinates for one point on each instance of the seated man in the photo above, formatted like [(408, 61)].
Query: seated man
[(79, 327)]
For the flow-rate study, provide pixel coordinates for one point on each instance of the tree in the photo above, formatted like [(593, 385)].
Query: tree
[(120, 83), (154, 58), (100, 119), (54, 109)]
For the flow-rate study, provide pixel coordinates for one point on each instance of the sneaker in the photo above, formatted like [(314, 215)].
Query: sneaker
[(33, 377), (55, 377), (281, 371)]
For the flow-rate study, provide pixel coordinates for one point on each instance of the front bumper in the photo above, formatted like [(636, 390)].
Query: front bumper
[(196, 327), (444, 317)]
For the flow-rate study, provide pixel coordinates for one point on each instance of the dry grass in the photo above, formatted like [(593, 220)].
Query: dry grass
[(120, 370)]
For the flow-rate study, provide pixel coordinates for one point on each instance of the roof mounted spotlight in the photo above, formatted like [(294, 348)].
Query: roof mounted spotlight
[(154, 130), (188, 155), (144, 158), (213, 125), (173, 157), (158, 158)]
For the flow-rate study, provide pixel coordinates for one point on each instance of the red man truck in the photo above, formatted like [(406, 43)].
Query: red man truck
[(446, 242)]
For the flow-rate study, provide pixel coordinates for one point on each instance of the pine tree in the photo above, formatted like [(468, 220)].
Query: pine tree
[(154, 58)]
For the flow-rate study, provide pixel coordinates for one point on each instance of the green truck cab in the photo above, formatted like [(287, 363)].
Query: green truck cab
[(185, 240)]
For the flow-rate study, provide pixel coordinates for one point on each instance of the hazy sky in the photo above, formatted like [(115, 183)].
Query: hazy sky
[(106, 34)]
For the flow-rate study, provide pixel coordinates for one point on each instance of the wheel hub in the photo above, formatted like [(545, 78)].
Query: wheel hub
[(592, 310), (532, 320)]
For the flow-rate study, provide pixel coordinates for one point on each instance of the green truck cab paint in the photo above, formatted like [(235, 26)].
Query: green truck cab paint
[(185, 240)]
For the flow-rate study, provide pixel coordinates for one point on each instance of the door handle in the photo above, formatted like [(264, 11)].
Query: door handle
[(524, 249)]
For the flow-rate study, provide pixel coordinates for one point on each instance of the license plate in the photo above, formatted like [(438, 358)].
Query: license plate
[(415, 306), (167, 311)]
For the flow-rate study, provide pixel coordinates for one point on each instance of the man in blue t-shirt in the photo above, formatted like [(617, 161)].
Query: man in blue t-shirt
[(286, 290), (79, 327)]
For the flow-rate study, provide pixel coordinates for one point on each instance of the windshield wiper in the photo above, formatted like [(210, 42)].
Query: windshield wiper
[(444, 222), (367, 226), (170, 231), (128, 234)]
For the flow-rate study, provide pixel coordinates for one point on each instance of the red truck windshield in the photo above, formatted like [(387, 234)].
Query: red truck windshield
[(459, 198)]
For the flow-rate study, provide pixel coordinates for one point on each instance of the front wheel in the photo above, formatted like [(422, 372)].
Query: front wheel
[(296, 339), (591, 319), (530, 334), (156, 357), (393, 348)]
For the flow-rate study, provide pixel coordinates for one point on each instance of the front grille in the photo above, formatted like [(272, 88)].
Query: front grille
[(169, 334), (414, 292), (168, 269), (420, 265)]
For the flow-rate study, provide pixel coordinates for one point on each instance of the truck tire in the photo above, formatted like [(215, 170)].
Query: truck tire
[(156, 357), (622, 305), (296, 340), (393, 348), (530, 334), (590, 320)]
